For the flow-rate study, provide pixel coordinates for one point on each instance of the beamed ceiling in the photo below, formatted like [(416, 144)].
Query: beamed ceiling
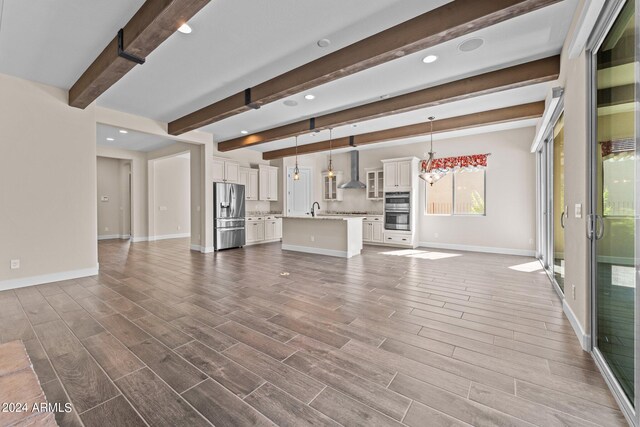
[(240, 44)]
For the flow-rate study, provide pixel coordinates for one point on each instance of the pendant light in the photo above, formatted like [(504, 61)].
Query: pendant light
[(330, 168), (296, 170), (426, 173)]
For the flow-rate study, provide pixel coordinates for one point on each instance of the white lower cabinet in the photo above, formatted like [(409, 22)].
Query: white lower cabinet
[(263, 229), (255, 230), (398, 238), (372, 230)]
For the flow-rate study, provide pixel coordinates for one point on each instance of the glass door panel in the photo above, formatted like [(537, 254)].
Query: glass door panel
[(614, 199), (559, 209)]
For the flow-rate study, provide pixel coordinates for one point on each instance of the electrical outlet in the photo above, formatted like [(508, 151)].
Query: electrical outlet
[(531, 241), (179, 228), (313, 238), (573, 291), (106, 229), (15, 264), (436, 235)]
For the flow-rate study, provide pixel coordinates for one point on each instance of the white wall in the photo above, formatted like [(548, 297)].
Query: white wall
[(172, 197), (48, 214), (509, 225)]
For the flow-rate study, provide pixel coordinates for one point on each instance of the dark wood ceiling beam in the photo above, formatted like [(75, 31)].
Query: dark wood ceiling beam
[(152, 24), (452, 20), (501, 115), (529, 73)]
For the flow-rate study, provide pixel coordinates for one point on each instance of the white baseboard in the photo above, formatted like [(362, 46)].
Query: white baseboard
[(583, 337), (109, 237), (485, 249), (169, 236), (114, 236), (201, 249), (47, 278), (318, 251), (138, 239)]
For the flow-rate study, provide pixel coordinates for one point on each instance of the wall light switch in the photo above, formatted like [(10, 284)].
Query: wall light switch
[(578, 210), (163, 208), (15, 264), (104, 198)]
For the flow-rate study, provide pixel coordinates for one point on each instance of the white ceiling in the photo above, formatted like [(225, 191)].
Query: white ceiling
[(135, 141), (236, 44)]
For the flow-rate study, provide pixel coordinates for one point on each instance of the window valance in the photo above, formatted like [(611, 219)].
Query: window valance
[(447, 164)]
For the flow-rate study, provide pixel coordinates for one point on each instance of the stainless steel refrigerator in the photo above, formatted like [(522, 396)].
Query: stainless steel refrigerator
[(228, 203)]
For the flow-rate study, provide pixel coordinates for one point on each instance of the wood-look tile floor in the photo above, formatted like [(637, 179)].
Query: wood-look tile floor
[(164, 336)]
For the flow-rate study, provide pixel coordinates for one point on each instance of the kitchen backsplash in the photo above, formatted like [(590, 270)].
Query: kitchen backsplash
[(355, 201)]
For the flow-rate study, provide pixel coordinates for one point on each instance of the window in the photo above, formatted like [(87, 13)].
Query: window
[(457, 193)]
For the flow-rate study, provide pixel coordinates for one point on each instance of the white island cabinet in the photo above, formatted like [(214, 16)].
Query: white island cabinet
[(325, 235)]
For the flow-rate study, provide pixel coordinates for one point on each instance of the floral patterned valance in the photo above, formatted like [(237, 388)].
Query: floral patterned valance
[(445, 164)]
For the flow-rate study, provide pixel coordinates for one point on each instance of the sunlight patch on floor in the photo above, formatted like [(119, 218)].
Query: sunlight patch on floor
[(528, 267), (415, 253)]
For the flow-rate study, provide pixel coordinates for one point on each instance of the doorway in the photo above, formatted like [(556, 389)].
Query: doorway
[(612, 220), (114, 198), (299, 193)]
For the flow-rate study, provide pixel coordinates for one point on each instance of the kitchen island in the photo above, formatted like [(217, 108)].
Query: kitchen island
[(323, 235)]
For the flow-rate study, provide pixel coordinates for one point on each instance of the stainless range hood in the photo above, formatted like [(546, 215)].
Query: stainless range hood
[(355, 174)]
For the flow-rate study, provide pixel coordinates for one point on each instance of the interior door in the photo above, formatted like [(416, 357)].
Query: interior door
[(299, 193), (613, 220)]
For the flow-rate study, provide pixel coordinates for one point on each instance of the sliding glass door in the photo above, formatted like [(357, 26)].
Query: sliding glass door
[(613, 221), (558, 207), (552, 211)]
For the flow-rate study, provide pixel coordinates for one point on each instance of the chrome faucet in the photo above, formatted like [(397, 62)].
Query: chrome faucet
[(313, 208)]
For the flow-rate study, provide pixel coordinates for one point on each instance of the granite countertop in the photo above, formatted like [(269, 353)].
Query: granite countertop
[(359, 214), (326, 217)]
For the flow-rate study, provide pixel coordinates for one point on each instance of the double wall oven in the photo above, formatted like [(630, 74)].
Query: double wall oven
[(397, 211)]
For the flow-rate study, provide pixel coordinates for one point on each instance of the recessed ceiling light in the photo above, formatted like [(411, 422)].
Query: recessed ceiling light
[(429, 59), (354, 125), (324, 42), (244, 132), (185, 29), (123, 131), (309, 96), (290, 103), (110, 139), (470, 45)]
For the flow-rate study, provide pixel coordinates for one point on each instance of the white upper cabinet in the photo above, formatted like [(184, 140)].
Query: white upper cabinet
[(399, 174), (330, 190), (268, 183), (375, 184), (225, 170), (249, 178)]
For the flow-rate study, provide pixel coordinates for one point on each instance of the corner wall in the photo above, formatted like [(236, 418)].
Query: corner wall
[(48, 214)]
